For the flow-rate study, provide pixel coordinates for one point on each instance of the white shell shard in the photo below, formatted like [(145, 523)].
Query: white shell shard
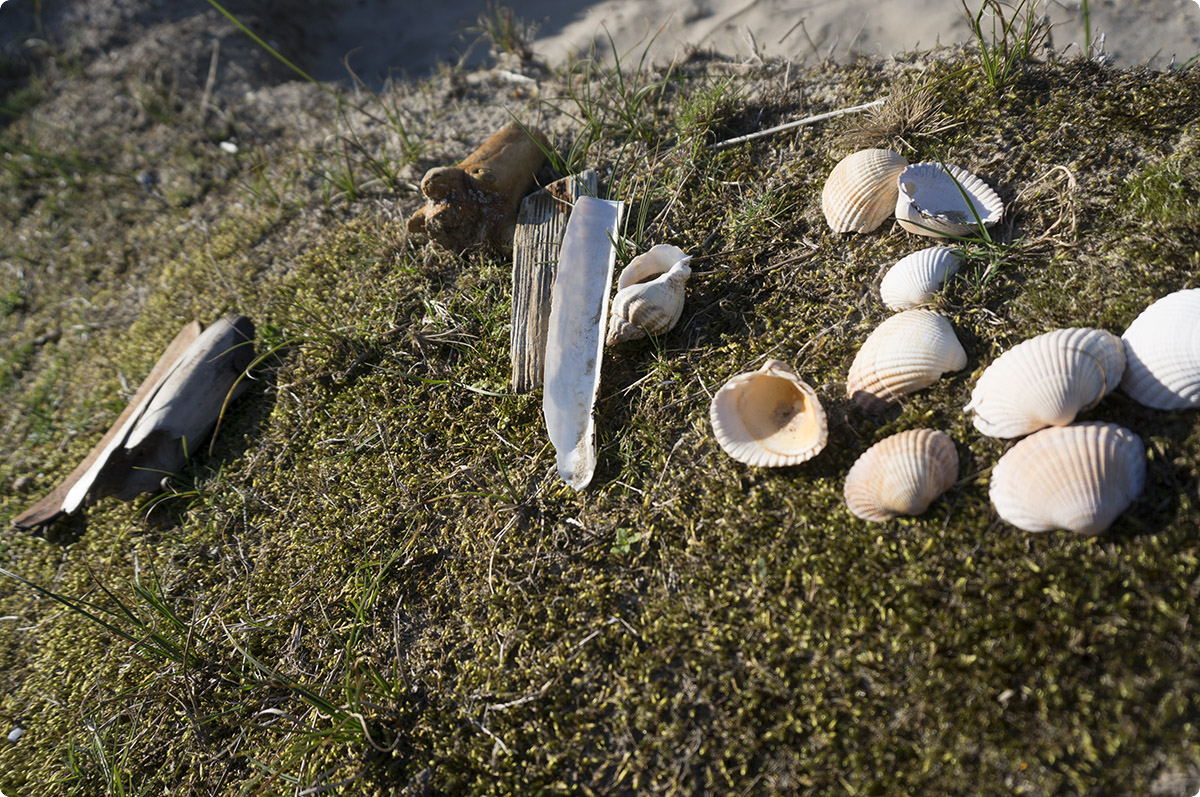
[(930, 201), (901, 475), (1046, 381), (861, 190), (650, 264), (1077, 477), (914, 280), (769, 417), (1162, 347), (575, 335), (649, 308), (906, 353)]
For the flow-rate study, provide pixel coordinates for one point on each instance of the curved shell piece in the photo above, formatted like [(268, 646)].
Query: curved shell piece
[(1077, 477), (901, 475), (769, 417), (861, 190), (657, 260), (1046, 381), (929, 201), (648, 308), (905, 353), (914, 280), (1162, 347)]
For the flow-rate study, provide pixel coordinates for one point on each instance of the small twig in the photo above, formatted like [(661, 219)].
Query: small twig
[(805, 121), (211, 80)]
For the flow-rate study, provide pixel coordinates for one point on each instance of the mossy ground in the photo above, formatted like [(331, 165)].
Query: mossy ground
[(377, 584)]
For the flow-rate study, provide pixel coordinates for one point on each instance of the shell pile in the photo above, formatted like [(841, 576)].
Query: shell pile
[(1162, 347), (901, 475), (907, 352), (914, 280), (649, 296), (940, 202), (769, 417), (860, 192)]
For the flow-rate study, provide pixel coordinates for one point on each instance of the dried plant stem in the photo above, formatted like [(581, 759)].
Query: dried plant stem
[(799, 122)]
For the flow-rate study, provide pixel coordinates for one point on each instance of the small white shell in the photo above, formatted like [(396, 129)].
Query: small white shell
[(861, 190), (1077, 477), (914, 280), (769, 417), (650, 264), (901, 475), (649, 308), (1046, 381), (1162, 346), (930, 202), (905, 353)]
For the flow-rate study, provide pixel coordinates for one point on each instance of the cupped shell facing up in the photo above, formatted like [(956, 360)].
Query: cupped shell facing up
[(1046, 381), (907, 352), (901, 475), (861, 190), (1077, 477), (769, 417), (652, 307), (1162, 347), (930, 201), (914, 280)]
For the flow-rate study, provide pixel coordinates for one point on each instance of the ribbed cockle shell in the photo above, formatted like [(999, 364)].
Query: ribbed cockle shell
[(1077, 477), (1046, 381), (769, 417), (861, 190), (930, 201), (901, 475), (1162, 347), (648, 308), (905, 353), (914, 280)]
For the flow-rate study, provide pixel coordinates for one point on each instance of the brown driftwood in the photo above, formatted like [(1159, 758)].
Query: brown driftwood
[(475, 202), (540, 227), (173, 410)]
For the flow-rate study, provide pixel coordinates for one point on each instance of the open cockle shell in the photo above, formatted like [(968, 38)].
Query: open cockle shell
[(1162, 347), (1046, 381), (769, 417), (1077, 477), (651, 307), (905, 353), (914, 280), (930, 201), (901, 475), (861, 190)]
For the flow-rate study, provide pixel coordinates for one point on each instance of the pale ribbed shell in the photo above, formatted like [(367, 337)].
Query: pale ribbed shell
[(769, 417), (651, 263), (907, 352), (914, 280), (648, 308), (1077, 477), (1162, 346), (901, 475), (861, 190), (930, 203), (1046, 381)]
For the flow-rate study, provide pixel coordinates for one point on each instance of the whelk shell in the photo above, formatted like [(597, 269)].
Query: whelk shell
[(1077, 477), (905, 353), (653, 262), (930, 202), (649, 308), (1162, 347), (1046, 381), (901, 475), (861, 190), (914, 280), (769, 417)]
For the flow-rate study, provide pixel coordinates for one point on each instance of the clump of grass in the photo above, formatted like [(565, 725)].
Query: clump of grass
[(1009, 41), (507, 32), (911, 112)]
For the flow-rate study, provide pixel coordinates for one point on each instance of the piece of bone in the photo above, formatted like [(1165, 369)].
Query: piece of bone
[(475, 202)]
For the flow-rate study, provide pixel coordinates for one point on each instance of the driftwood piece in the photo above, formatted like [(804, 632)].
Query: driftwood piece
[(540, 227), (475, 202), (172, 411)]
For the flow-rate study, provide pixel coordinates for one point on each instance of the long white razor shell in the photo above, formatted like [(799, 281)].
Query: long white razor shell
[(575, 335)]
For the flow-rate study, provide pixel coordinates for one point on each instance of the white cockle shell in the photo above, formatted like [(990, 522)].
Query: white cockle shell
[(1077, 477), (1162, 347), (930, 202), (861, 190), (905, 353), (914, 280), (1046, 381), (769, 417), (649, 308), (901, 475)]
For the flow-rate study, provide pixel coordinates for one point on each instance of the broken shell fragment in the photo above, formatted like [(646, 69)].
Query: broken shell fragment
[(649, 308), (901, 475), (940, 202), (1162, 347), (1077, 477), (914, 280), (861, 190), (907, 352), (769, 417), (1046, 381)]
